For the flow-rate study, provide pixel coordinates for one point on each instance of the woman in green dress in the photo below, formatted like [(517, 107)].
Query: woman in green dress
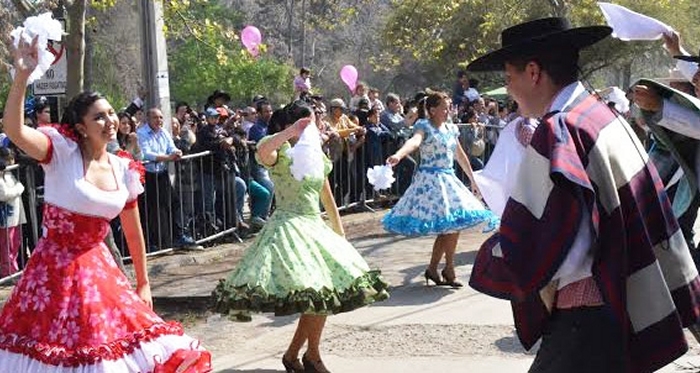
[(298, 264)]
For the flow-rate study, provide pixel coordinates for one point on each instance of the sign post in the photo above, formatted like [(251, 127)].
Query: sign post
[(54, 81), (155, 59)]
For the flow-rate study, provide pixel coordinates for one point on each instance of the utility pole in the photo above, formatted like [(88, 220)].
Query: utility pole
[(303, 33), (289, 29), (155, 59)]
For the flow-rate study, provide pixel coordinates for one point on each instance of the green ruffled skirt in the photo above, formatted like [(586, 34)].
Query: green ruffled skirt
[(299, 264)]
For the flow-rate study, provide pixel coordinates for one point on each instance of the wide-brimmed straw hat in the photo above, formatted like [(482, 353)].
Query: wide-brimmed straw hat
[(535, 36)]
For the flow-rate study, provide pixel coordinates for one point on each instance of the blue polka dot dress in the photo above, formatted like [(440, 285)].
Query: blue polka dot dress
[(437, 202)]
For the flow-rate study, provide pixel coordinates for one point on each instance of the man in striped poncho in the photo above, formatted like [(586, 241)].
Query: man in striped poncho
[(588, 251)]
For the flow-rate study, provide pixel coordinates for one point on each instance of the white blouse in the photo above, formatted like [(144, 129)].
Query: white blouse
[(65, 185)]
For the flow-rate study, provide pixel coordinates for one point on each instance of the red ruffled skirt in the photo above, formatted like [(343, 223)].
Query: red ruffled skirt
[(75, 311)]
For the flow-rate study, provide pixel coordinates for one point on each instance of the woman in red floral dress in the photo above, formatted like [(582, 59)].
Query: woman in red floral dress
[(73, 310)]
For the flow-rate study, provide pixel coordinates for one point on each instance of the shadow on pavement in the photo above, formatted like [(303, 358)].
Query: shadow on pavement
[(370, 244), (183, 308), (512, 345), (465, 257), (179, 278), (411, 273), (376, 236), (414, 295), (277, 321)]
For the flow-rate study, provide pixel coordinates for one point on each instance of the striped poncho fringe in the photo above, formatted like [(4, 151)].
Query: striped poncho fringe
[(641, 262)]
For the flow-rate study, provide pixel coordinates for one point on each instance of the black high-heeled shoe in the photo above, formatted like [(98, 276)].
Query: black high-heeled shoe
[(451, 281), (433, 277), (314, 366), (292, 366)]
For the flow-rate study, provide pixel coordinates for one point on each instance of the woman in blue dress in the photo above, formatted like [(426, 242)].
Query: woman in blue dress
[(437, 203)]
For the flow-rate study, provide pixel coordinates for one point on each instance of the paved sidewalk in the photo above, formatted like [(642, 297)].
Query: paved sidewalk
[(420, 329)]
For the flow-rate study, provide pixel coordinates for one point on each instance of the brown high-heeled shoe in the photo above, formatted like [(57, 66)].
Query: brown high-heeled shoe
[(292, 366), (313, 366), (451, 281)]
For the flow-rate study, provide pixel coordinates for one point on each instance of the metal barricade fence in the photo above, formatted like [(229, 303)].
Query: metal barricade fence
[(195, 200), (185, 201), (198, 199)]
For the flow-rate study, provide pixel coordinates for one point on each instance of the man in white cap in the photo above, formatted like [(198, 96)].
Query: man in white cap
[(578, 252)]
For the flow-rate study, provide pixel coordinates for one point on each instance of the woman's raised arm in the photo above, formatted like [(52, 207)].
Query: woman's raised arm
[(31, 141)]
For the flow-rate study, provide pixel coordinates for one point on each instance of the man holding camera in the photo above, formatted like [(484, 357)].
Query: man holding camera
[(222, 189)]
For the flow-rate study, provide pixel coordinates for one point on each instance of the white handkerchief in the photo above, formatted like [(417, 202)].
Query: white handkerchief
[(45, 28), (381, 177), (307, 155), (498, 178), (628, 25)]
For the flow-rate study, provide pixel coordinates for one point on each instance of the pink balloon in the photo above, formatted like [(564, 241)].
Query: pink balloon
[(349, 76), (251, 38), (254, 51)]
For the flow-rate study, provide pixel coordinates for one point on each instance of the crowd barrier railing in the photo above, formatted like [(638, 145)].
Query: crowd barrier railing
[(199, 198)]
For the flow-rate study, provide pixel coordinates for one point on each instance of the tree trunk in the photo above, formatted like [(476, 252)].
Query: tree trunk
[(24, 8), (303, 33), (290, 24), (88, 73), (75, 47)]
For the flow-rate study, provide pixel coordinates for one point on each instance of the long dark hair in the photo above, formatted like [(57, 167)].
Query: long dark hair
[(121, 138), (283, 118), (78, 108)]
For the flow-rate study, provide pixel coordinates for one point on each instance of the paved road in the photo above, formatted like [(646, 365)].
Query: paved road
[(420, 329)]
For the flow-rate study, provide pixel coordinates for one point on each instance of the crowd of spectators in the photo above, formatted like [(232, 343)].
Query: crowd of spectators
[(202, 177)]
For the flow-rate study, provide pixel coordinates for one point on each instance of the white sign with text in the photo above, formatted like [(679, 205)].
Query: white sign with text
[(53, 83)]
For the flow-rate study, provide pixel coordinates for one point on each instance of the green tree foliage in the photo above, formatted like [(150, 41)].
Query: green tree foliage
[(4, 88), (445, 36), (326, 33), (205, 53)]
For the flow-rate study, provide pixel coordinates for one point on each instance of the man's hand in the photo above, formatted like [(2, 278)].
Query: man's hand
[(177, 154), (672, 43), (647, 98)]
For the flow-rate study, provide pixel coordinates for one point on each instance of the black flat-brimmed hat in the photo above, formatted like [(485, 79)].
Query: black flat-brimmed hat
[(695, 59), (220, 94), (531, 37)]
